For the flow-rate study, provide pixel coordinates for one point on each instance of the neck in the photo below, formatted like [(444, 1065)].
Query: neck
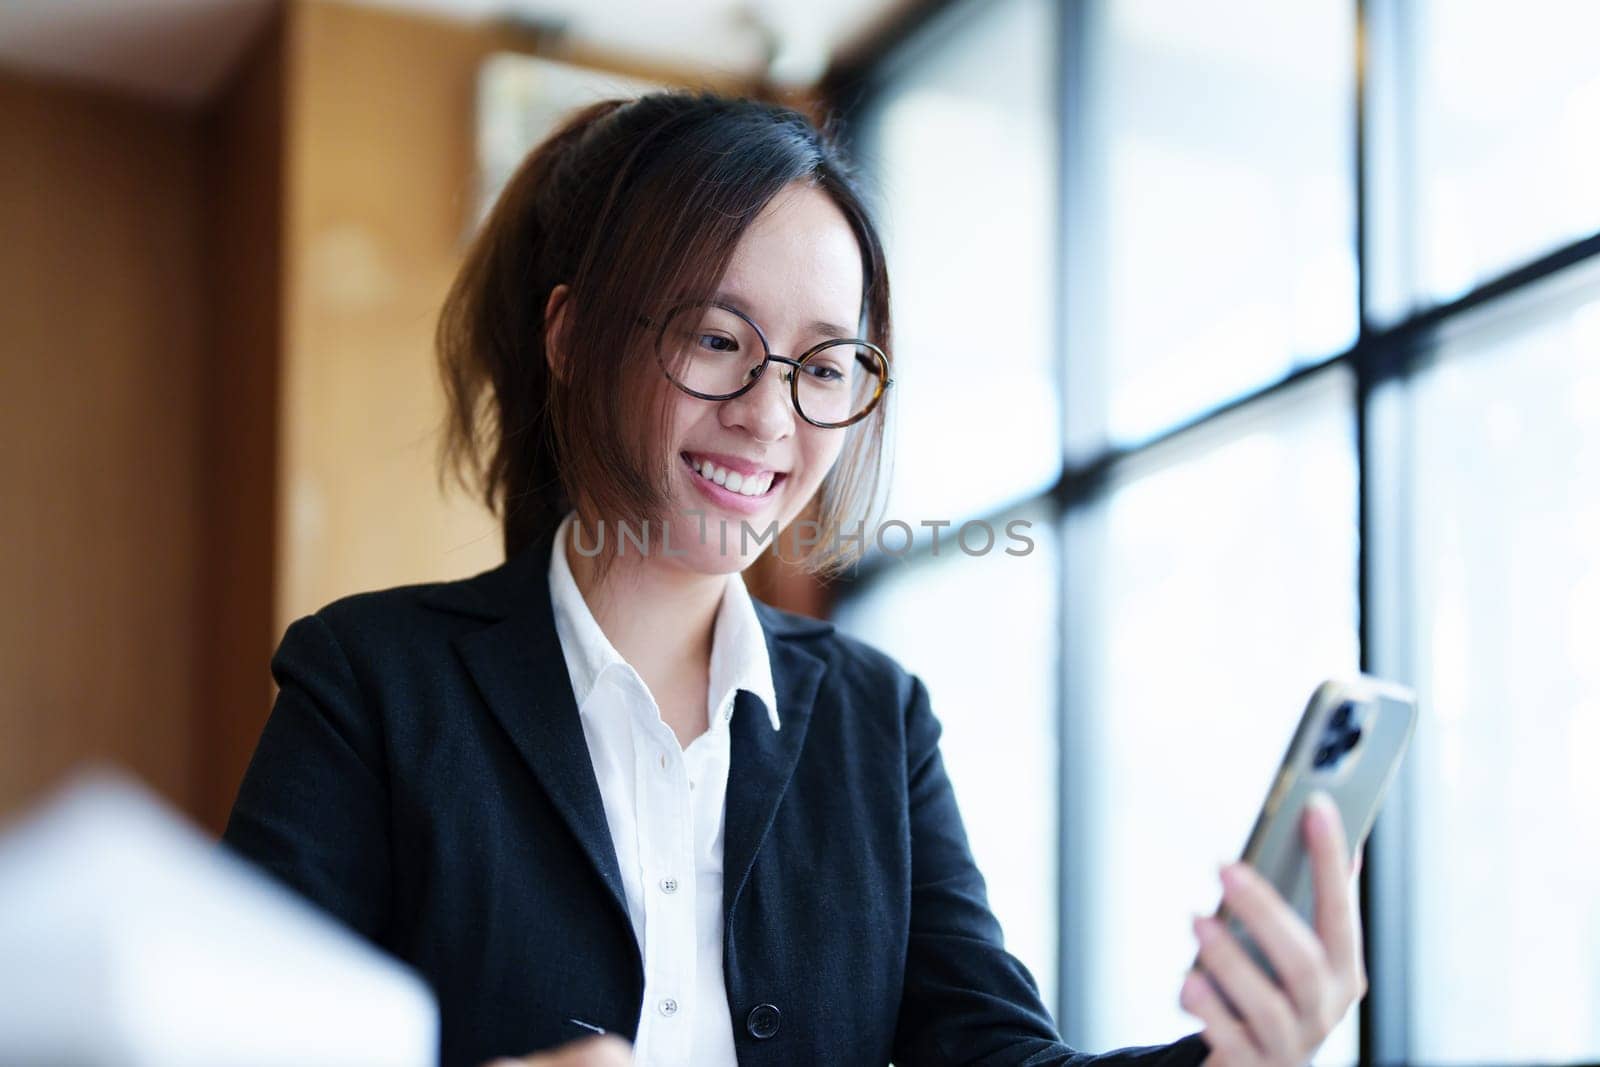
[(658, 617)]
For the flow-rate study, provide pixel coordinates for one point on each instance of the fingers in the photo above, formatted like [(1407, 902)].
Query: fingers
[(1224, 1035), (606, 1051), (1355, 924), (610, 1051), (1260, 1004), (1330, 879), (1319, 966), (1288, 943)]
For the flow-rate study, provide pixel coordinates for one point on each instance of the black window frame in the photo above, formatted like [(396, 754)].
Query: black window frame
[(1381, 354)]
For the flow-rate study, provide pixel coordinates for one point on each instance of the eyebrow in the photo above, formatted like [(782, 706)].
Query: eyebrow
[(816, 327)]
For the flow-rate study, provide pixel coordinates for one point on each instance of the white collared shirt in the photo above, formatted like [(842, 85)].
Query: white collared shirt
[(664, 806)]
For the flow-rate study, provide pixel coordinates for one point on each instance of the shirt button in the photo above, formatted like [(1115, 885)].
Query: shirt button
[(667, 1006), (663, 761), (669, 885)]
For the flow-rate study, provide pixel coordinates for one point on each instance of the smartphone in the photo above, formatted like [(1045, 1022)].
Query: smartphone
[(1349, 744)]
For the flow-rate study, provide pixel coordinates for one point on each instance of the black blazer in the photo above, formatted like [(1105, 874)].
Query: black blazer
[(424, 777)]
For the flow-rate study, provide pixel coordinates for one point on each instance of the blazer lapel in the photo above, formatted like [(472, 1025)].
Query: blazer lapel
[(762, 760), (517, 664), (519, 668)]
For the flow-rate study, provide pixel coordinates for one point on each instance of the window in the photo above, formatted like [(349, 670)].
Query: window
[(1329, 331), (1489, 125), (1491, 450), (1210, 587), (1212, 219), (963, 151)]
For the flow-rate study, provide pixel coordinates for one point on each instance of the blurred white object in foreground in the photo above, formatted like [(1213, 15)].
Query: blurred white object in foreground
[(129, 937)]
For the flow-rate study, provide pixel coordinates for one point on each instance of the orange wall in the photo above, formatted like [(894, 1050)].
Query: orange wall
[(379, 175), (243, 135), (101, 350), (219, 401)]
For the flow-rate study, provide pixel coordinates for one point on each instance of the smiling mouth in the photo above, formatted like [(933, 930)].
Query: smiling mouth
[(732, 481)]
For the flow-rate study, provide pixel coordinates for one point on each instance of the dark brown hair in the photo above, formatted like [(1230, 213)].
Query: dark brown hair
[(633, 204)]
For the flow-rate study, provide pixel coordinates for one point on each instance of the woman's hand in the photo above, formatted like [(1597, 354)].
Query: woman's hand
[(604, 1051), (1322, 971)]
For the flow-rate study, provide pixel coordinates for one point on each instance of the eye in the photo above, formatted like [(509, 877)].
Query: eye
[(717, 343), (824, 372)]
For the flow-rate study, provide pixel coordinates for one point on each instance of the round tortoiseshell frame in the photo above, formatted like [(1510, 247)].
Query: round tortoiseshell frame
[(878, 354)]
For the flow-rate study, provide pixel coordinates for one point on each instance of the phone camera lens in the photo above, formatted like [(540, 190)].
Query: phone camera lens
[(1326, 755), (1350, 740), (1341, 716)]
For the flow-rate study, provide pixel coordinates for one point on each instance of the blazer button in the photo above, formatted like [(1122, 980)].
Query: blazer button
[(763, 1021)]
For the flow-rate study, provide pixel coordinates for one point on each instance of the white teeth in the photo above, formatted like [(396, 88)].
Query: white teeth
[(744, 485)]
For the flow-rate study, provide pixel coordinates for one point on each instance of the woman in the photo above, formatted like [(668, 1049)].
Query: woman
[(599, 788)]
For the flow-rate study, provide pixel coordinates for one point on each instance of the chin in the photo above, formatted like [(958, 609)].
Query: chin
[(697, 529), (703, 552)]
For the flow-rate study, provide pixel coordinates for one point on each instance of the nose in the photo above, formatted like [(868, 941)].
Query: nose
[(766, 412)]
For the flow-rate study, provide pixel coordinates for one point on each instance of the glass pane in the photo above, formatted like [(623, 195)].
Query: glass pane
[(1488, 139), (981, 632), (1212, 214), (1494, 467), (1211, 589), (963, 150)]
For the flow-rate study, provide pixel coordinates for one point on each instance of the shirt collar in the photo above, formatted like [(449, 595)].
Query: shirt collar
[(739, 656), (589, 653)]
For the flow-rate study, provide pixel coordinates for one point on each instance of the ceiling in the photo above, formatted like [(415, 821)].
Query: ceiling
[(174, 51), (178, 51)]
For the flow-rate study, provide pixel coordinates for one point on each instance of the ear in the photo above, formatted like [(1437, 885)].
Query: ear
[(555, 318)]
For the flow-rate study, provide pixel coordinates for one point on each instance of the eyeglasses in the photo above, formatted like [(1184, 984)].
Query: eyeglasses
[(717, 352)]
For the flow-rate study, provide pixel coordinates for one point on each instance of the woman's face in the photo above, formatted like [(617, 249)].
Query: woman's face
[(797, 266)]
